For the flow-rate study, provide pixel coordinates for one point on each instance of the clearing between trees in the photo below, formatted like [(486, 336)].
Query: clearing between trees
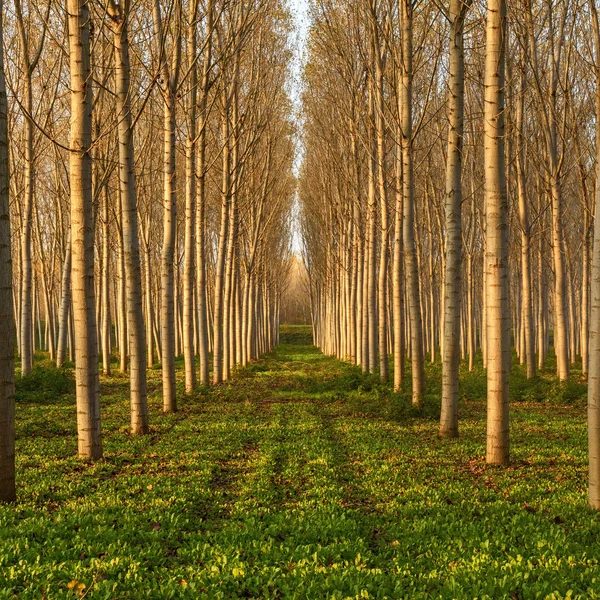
[(300, 478)]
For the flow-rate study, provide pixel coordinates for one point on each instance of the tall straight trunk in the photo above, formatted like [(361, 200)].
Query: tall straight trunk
[(585, 298), (561, 345), (27, 218), (170, 77), (201, 203), (359, 285), (344, 304), (453, 278), (238, 314), (527, 300), (48, 329), (365, 300), (354, 298), (432, 316), (245, 319), (65, 303), (167, 292), (222, 247), (251, 321), (38, 315), (498, 314), (7, 318), (571, 307), (549, 116), (594, 337), (397, 279), (484, 312), (82, 233), (381, 184), (233, 318), (203, 346), (190, 206), (178, 330), (29, 64), (131, 247), (408, 188), (372, 243), (149, 307), (228, 292), (71, 330), (542, 299), (471, 344), (121, 295), (105, 284)]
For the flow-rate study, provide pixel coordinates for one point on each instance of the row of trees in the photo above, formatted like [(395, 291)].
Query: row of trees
[(150, 194), (454, 143)]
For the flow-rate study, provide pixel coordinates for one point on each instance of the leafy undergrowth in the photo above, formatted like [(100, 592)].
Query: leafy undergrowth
[(301, 478)]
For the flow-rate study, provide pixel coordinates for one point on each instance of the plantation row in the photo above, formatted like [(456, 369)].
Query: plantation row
[(448, 195), (148, 211)]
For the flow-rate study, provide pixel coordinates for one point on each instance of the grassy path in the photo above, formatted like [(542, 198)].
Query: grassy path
[(301, 478)]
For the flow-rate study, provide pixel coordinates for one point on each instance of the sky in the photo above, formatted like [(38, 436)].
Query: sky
[(299, 10)]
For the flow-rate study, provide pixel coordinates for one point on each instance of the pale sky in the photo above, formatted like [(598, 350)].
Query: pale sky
[(299, 9)]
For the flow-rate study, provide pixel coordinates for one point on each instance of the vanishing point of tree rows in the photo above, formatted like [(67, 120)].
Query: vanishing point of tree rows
[(456, 144), (146, 193)]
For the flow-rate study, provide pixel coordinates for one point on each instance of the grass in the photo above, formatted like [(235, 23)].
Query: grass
[(301, 478)]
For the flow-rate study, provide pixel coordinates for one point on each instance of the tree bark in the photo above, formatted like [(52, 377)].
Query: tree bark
[(222, 246), (498, 315), (594, 338), (201, 204), (408, 186), (190, 206), (129, 221), (167, 292), (453, 278), (105, 285), (527, 300), (82, 233), (7, 318), (398, 278)]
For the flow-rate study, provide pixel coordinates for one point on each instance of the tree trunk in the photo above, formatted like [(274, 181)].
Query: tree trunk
[(122, 294), (26, 267), (105, 285), (190, 207), (498, 315), (222, 247), (201, 205), (131, 246), (585, 289), (397, 280), (372, 243), (65, 303), (82, 233), (453, 278), (381, 181), (7, 319), (594, 338), (408, 186), (167, 308), (527, 300)]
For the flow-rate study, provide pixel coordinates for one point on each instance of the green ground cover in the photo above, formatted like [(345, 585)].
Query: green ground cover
[(301, 478)]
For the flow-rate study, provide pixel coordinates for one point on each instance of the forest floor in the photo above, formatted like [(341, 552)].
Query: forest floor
[(300, 478)]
